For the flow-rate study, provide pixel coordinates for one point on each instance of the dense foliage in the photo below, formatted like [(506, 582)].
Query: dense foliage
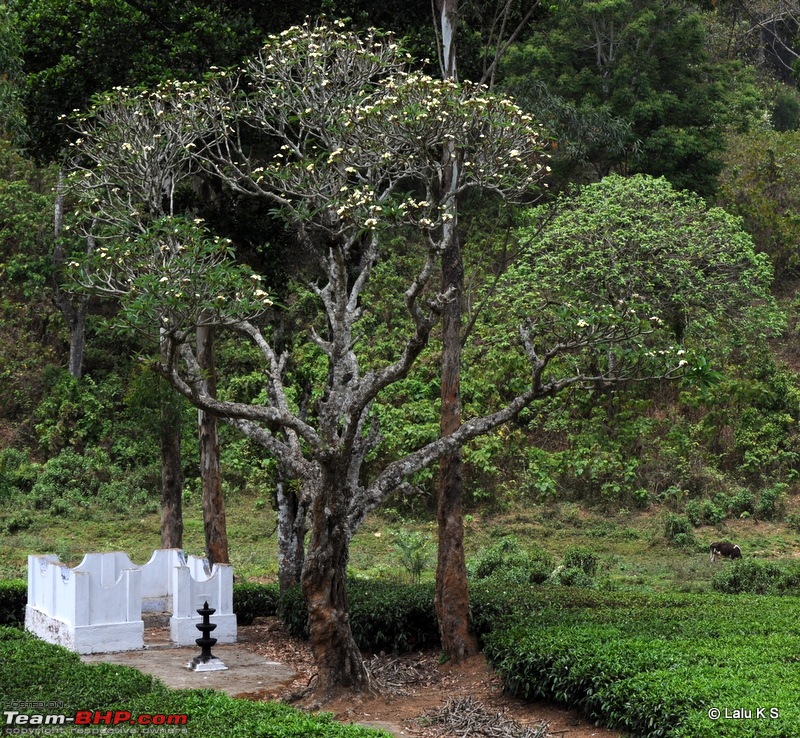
[(643, 63)]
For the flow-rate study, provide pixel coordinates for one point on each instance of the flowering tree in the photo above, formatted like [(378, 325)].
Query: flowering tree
[(133, 157), (351, 147), (363, 147), (622, 253)]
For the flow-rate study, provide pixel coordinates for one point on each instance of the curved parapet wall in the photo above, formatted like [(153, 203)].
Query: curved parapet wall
[(93, 608), (193, 585), (157, 580), (97, 606)]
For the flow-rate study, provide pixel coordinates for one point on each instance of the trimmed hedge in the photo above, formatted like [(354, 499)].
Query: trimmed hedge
[(656, 665), (251, 601), (384, 616), (13, 598)]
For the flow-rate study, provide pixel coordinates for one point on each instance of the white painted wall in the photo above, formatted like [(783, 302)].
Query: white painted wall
[(97, 606)]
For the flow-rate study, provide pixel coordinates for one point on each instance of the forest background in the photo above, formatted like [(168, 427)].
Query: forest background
[(704, 96)]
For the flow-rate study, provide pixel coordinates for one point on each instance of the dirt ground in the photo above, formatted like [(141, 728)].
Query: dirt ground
[(410, 689)]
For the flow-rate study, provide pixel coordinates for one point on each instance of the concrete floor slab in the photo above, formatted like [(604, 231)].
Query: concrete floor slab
[(247, 674)]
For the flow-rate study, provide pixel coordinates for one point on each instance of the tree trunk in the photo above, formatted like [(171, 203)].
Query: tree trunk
[(171, 474), (452, 593), (74, 309), (291, 536), (336, 655), (214, 522), (75, 312)]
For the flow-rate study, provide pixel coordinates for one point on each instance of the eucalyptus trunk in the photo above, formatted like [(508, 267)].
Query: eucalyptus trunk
[(452, 593), (214, 523), (74, 308), (171, 473)]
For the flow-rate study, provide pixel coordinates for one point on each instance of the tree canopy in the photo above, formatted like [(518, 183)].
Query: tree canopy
[(639, 61)]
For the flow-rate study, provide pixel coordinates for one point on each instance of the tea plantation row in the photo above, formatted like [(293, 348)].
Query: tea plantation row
[(677, 666), (682, 666)]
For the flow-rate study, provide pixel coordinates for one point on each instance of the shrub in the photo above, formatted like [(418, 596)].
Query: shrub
[(384, 616), (704, 512), (491, 605), (388, 617), (712, 513), (741, 503), (13, 598), (17, 474), (251, 600), (580, 557), (678, 530), (753, 576), (15, 522), (70, 482), (572, 576), (771, 502), (294, 613), (413, 550), (506, 562)]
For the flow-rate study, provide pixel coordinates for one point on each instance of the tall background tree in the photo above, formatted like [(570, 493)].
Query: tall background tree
[(641, 62), (452, 595), (497, 25)]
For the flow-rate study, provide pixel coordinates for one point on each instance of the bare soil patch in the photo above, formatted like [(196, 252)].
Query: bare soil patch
[(411, 690)]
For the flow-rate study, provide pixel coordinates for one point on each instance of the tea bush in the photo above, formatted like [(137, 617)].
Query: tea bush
[(754, 576), (654, 665), (572, 576), (252, 600), (384, 616), (13, 598), (583, 558)]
